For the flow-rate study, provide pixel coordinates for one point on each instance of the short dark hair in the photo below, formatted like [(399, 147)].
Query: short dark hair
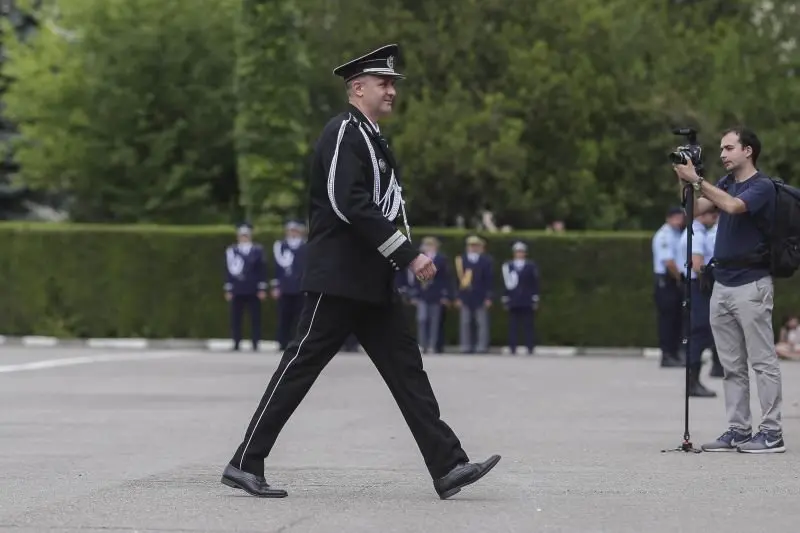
[(747, 138)]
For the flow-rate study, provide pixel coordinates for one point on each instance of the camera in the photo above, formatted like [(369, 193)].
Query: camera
[(689, 152)]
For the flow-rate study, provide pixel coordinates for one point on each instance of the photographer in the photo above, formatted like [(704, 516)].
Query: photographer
[(741, 301)]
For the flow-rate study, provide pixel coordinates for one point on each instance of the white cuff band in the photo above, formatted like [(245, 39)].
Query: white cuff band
[(392, 244)]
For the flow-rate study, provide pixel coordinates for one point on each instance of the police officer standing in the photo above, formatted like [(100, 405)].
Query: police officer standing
[(521, 298), (289, 256), (474, 297), (668, 296), (699, 333), (245, 284), (354, 250)]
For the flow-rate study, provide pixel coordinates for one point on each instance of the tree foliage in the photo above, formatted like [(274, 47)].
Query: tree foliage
[(128, 104), (273, 107), (540, 110)]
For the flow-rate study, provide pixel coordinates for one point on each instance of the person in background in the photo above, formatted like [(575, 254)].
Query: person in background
[(474, 270), (699, 333), (429, 297), (521, 298), (289, 256), (788, 346), (667, 290), (245, 284)]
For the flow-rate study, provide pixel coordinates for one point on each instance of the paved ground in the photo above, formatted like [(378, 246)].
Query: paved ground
[(137, 442)]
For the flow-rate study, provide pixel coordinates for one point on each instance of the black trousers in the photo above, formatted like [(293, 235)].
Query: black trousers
[(700, 333), (385, 334), (669, 302), (521, 323), (289, 307), (238, 304), (440, 338)]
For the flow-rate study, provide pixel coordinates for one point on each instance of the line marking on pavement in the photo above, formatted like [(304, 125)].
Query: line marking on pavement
[(72, 361), (129, 344)]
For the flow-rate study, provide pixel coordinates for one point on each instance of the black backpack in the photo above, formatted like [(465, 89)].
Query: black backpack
[(782, 254)]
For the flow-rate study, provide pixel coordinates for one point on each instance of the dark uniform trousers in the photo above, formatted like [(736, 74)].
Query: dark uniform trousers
[(521, 320), (668, 305), (701, 335), (440, 339), (384, 332), (238, 304)]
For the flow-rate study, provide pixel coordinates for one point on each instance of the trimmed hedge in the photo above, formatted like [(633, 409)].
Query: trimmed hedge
[(166, 282)]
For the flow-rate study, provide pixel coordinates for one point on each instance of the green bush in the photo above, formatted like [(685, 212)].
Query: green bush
[(166, 282)]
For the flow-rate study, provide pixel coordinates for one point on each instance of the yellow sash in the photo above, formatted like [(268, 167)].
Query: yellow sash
[(464, 278)]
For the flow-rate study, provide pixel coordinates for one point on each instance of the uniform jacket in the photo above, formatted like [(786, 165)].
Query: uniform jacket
[(521, 285), (474, 280), (245, 273), (439, 287), (354, 248), (289, 265)]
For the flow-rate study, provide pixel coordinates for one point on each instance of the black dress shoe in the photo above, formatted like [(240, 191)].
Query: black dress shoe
[(463, 475), (250, 483)]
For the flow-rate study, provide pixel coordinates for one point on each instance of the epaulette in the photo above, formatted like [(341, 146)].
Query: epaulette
[(352, 120)]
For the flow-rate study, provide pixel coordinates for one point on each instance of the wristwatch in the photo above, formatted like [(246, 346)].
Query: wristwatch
[(697, 184)]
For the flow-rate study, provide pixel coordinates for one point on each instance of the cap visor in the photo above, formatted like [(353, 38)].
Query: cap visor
[(380, 73)]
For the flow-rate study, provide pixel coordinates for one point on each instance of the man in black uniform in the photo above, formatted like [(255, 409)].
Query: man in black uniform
[(353, 253)]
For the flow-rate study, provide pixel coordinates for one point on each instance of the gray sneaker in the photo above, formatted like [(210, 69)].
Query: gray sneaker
[(764, 442), (728, 441)]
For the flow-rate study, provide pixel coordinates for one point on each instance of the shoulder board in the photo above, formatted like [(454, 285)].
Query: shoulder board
[(352, 120)]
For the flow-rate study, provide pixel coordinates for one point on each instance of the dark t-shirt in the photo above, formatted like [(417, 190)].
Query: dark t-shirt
[(738, 235)]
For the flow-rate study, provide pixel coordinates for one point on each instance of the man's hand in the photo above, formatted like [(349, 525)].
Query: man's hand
[(262, 295), (423, 268), (228, 296), (686, 172)]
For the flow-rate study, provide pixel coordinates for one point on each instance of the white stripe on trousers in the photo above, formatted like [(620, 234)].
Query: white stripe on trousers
[(277, 383)]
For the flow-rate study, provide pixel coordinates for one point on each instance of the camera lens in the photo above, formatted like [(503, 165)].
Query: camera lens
[(678, 158)]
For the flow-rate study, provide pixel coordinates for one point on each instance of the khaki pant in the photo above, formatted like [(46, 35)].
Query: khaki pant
[(741, 321)]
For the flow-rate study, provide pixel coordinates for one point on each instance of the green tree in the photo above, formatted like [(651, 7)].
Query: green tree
[(272, 90), (129, 106)]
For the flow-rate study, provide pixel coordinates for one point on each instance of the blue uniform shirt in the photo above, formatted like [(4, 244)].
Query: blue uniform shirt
[(699, 238), (665, 245), (711, 239), (738, 235)]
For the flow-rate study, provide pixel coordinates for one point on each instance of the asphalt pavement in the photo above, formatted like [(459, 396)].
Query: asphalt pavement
[(95, 440)]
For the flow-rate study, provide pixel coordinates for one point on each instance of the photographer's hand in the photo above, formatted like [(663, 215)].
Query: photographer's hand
[(686, 172)]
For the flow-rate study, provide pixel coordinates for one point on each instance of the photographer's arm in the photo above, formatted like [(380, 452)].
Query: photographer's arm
[(716, 196), (713, 195)]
